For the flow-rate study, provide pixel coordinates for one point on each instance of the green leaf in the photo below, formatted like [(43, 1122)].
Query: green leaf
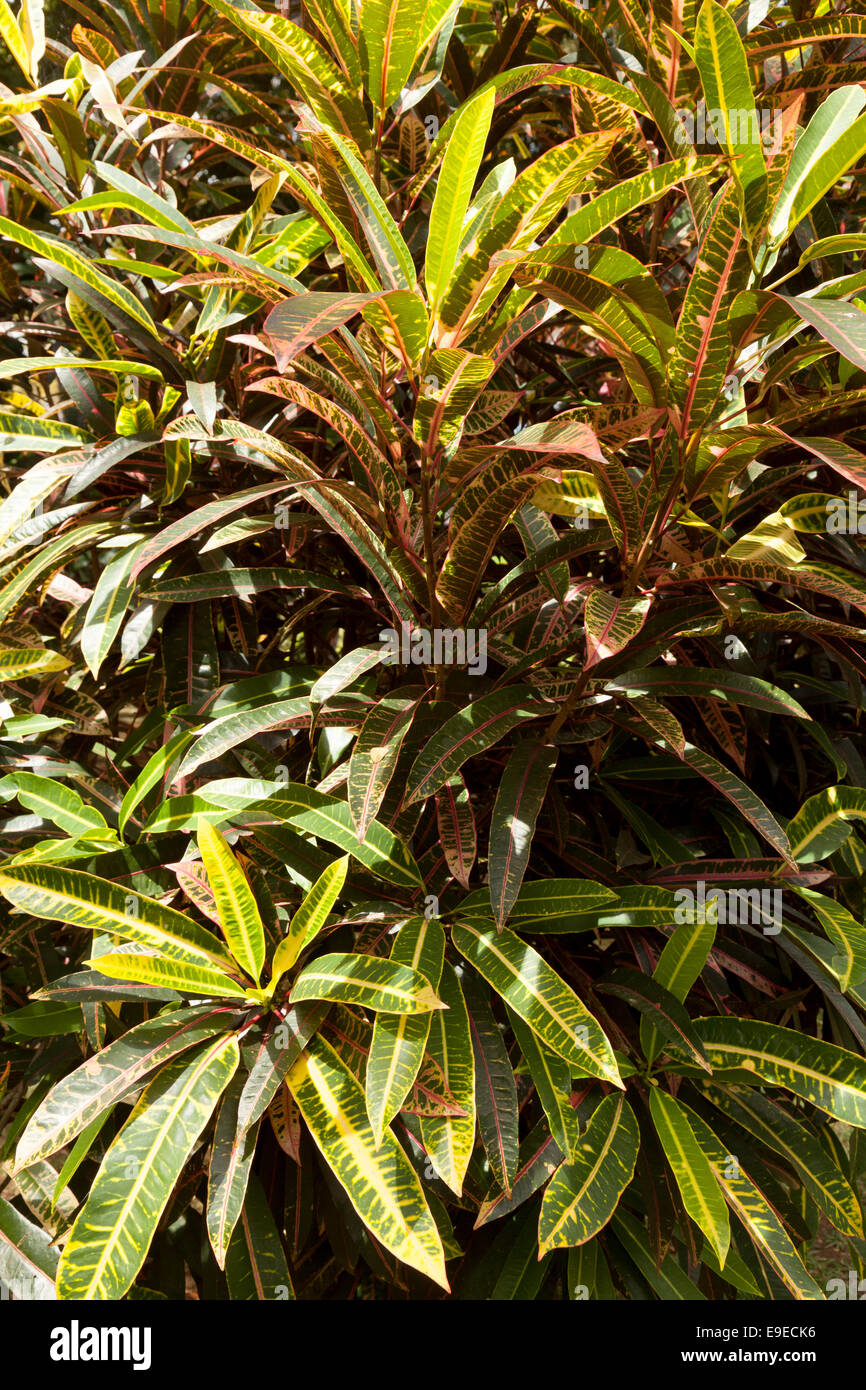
[(38, 1187), (237, 908), (68, 895), (229, 1170), (155, 770), (306, 64), (182, 813), (295, 180), (27, 366), (170, 974), (111, 1235), (111, 598), (238, 583), (477, 520), (14, 39), (736, 790), (610, 623), (843, 325), (735, 1272), (699, 363), (472, 731), (832, 245), (584, 1192), (379, 1180), (518, 802), (328, 818), (727, 86), (400, 320), (696, 1180), (538, 1159), (17, 663), (529, 205), (614, 316), (189, 525), (229, 730), (821, 824), (611, 204), (755, 1212), (255, 1264), (765, 1118), (463, 155), (694, 682), (588, 1275), (33, 434), (278, 1051), (797, 35), (772, 539), (345, 672), (534, 991), (495, 1087), (551, 898), (449, 1140), (846, 933), (682, 959), (519, 1271), (393, 33), (83, 270), (28, 1259), (80, 1150), (453, 379), (94, 1087), (832, 141), (335, 21), (834, 584), (374, 757), (819, 1072), (399, 1041), (367, 980), (44, 1020), (151, 209), (59, 804), (48, 559), (390, 252), (552, 1080), (89, 986), (667, 1279), (662, 1007), (309, 918)]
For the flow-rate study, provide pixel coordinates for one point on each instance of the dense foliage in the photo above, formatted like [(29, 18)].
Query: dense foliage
[(431, 597)]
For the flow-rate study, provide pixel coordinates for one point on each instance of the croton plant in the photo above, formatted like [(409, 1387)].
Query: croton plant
[(431, 635)]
